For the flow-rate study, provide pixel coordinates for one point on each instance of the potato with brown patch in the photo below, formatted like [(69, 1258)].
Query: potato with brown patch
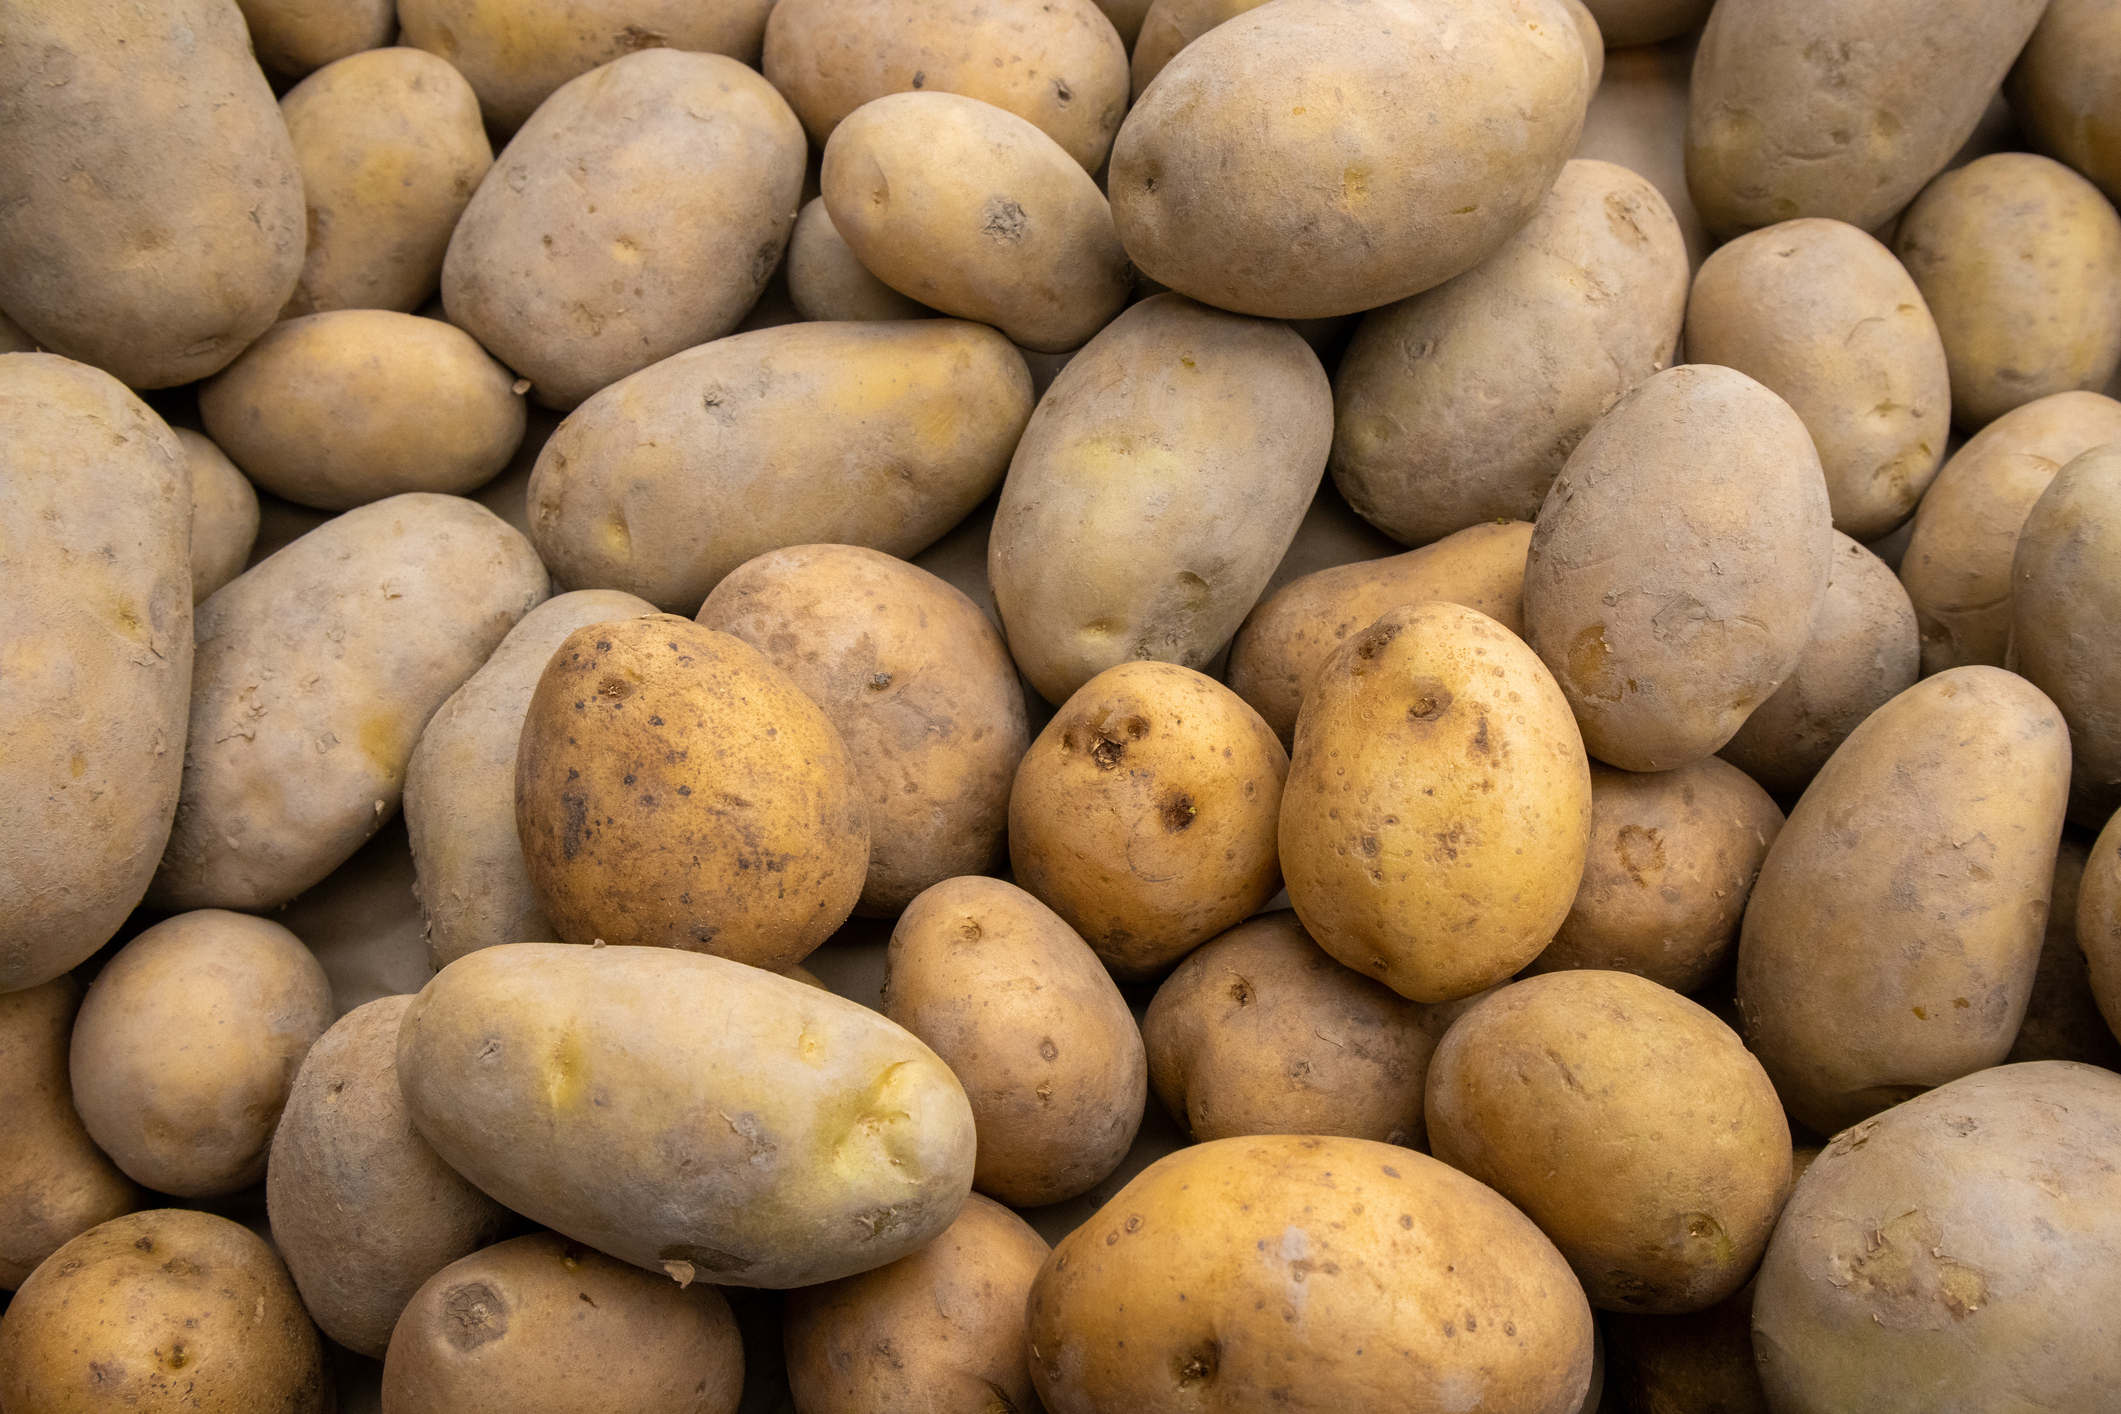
[(224, 514), (827, 281), (1144, 814)]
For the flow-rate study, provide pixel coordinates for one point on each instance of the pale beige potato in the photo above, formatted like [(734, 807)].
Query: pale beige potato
[(2062, 1019), (884, 435), (1892, 938), (1057, 64), (639, 213), (570, 1084), (224, 514), (2061, 88), (2099, 921), (1169, 26), (391, 148), (1461, 404), (1627, 23), (294, 37), (1438, 806), (1637, 119), (1156, 487), (828, 281)]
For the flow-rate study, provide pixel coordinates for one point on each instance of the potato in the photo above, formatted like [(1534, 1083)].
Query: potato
[(1054, 63), (827, 281), (97, 634), (540, 1324), (573, 1084), (1438, 806), (1957, 569), (941, 1330), (1309, 1274), (2062, 1020), (675, 789), (1957, 1253), (1203, 436), (55, 1184), (1170, 25), (156, 1310), (1293, 630), (391, 149), (292, 37), (2058, 88), (1126, 17), (1145, 814), (315, 673), (1629, 1123), (151, 209), (1637, 119), (224, 514), (1627, 23), (1813, 108), (1824, 317), (1461, 404), (1251, 180), (976, 213), (1685, 1364), (1664, 642), (920, 688), (516, 56), (884, 435), (187, 1045), (2099, 922), (1672, 857), (460, 787), (1891, 940), (639, 213)]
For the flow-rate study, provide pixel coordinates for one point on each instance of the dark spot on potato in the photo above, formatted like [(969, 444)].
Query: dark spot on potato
[(1406, 1220), (101, 1374), (1134, 1222), (1177, 812), (1005, 220), (145, 1244), (920, 78), (1431, 701), (1370, 846), (1641, 851), (577, 819), (1197, 1364), (879, 681), (1241, 992), (472, 1315), (177, 1358), (1061, 91), (1481, 744), (1047, 1049)]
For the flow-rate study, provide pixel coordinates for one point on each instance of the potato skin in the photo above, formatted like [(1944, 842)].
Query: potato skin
[(2058, 88), (586, 1115), (97, 623), (1892, 938), (292, 37), (827, 280), (884, 435), (224, 514), (2099, 921), (1318, 1274)]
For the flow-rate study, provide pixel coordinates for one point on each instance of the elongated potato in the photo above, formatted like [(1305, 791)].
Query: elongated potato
[(293, 37), (224, 514), (828, 281)]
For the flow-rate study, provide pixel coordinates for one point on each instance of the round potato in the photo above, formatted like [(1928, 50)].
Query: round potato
[(293, 37), (1627, 23), (224, 514), (827, 281), (2099, 922), (2059, 88), (2062, 1020)]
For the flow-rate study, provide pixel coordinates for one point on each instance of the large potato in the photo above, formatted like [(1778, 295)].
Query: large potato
[(292, 37), (2099, 922), (150, 206), (96, 643), (1665, 641), (1461, 404), (800, 1138), (224, 514), (1320, 157), (827, 280), (2061, 87), (1891, 940), (884, 435)]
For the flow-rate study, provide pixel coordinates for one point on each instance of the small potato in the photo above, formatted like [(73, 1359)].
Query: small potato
[(828, 281), (2099, 922), (939, 1331), (2017, 328), (1169, 26), (1145, 814), (541, 1325), (2062, 1020), (187, 1045), (224, 514), (292, 37), (1627, 23), (339, 409), (2059, 88)]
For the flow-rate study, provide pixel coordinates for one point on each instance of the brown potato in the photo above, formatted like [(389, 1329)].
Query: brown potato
[(2058, 88), (827, 280), (224, 514), (292, 37), (2062, 1020), (2099, 922)]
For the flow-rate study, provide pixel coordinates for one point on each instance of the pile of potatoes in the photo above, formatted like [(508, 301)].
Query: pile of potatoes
[(849, 706)]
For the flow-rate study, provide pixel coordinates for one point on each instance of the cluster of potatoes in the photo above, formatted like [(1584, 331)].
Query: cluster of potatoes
[(816, 514)]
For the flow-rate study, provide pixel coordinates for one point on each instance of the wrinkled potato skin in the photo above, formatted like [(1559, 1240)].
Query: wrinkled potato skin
[(1740, 555), (940, 1331), (1298, 627), (541, 1325), (1247, 181), (884, 435), (1957, 569), (1023, 1013), (827, 281), (2017, 329), (1395, 1252), (55, 1184), (639, 213), (1778, 82), (1626, 23), (187, 1045), (460, 787), (339, 409), (918, 684), (1893, 935), (224, 514), (1865, 650), (2060, 89), (166, 1306), (293, 37), (1943, 1256), (1439, 804), (315, 673), (1156, 487), (847, 1145), (1461, 404), (2062, 1020), (1169, 26), (1629, 1123), (97, 623), (2099, 921), (516, 55), (362, 1210), (1829, 321), (1672, 857), (1057, 64), (391, 149), (189, 236), (1145, 814)]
